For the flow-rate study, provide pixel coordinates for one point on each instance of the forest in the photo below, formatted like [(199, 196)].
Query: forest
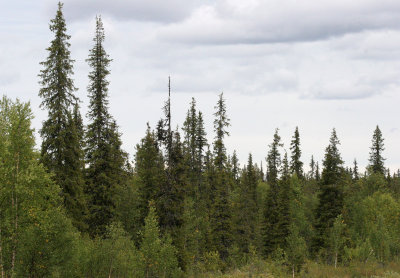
[(77, 206)]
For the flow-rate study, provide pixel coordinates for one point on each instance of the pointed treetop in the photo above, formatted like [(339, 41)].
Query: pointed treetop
[(376, 160), (296, 165), (333, 163), (221, 122)]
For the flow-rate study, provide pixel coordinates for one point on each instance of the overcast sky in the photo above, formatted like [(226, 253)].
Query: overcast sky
[(280, 63)]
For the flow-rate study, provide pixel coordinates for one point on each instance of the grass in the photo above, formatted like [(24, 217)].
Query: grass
[(265, 269)]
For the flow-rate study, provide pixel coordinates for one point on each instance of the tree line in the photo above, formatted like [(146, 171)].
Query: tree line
[(183, 206)]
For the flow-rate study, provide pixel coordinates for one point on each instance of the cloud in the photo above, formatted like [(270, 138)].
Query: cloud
[(8, 78), (149, 10), (257, 21), (341, 91), (348, 89)]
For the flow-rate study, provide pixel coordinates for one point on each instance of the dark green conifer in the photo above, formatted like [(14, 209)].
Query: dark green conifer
[(311, 173), (201, 141), (220, 216), (149, 173), (190, 149), (296, 165), (221, 123), (355, 170), (61, 151), (170, 199), (317, 174), (274, 159), (285, 196), (376, 160), (331, 193), (246, 209), (271, 213), (333, 163), (235, 168), (105, 159)]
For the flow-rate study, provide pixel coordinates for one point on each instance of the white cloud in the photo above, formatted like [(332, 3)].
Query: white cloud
[(137, 10), (235, 22)]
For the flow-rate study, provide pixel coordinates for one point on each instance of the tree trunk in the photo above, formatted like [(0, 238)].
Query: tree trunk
[(336, 255), (293, 271), (15, 207), (1, 255)]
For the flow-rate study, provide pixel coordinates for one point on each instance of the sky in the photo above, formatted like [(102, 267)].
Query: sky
[(317, 65)]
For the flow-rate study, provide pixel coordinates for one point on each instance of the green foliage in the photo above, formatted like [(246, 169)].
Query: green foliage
[(245, 209), (36, 238), (158, 255), (221, 123), (331, 193), (113, 256), (61, 151), (276, 217), (105, 159), (336, 237), (296, 251), (376, 160), (296, 165)]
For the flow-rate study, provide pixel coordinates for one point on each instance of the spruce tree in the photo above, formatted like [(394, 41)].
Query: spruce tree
[(235, 168), (285, 197), (201, 141), (333, 163), (189, 128), (356, 175), (190, 149), (274, 159), (104, 158), (149, 175), (74, 198), (296, 165), (246, 208), (61, 150), (271, 212), (376, 160), (170, 199), (221, 123), (331, 193), (317, 173), (220, 211), (311, 173)]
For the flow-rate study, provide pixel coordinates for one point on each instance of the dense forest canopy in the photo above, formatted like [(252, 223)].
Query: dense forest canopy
[(185, 206)]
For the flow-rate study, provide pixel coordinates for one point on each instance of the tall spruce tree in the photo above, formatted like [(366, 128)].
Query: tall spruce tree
[(235, 168), (356, 175), (201, 141), (246, 209), (104, 158), (171, 193), (74, 198), (274, 159), (376, 160), (149, 175), (201, 144), (296, 165), (311, 173), (271, 213), (331, 193), (285, 196), (220, 216), (190, 148), (221, 123), (61, 146)]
